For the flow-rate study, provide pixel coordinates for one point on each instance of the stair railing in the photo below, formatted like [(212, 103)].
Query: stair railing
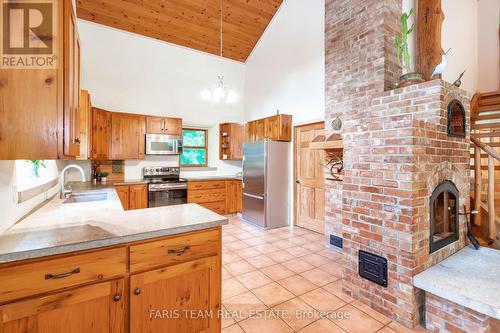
[(492, 156)]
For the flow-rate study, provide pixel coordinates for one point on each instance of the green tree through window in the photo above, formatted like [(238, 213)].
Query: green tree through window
[(195, 147)]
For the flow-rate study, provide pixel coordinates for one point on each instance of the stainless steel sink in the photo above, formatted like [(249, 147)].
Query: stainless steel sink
[(86, 197)]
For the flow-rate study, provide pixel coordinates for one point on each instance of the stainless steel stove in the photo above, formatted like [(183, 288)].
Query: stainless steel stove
[(165, 187)]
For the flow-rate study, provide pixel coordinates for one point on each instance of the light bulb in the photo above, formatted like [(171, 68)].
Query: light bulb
[(219, 93)]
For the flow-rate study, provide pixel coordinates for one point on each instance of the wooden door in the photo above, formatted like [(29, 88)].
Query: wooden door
[(155, 125), (101, 131), (127, 136), (138, 197), (124, 195), (309, 179), (95, 308), (173, 126), (71, 140), (177, 298)]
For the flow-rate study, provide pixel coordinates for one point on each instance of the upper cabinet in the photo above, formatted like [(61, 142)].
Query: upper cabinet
[(231, 141), (100, 138), (85, 125), (163, 125), (127, 136), (276, 128), (39, 107)]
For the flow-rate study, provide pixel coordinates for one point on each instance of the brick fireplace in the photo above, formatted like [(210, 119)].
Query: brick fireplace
[(397, 152)]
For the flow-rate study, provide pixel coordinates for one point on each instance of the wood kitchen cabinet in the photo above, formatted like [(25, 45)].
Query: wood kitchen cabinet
[(118, 289), (133, 196), (188, 291), (85, 126), (220, 196), (127, 136), (231, 136), (39, 109), (71, 110), (95, 308), (276, 128), (163, 125), (100, 140)]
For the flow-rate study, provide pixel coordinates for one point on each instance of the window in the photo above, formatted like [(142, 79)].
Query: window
[(195, 147)]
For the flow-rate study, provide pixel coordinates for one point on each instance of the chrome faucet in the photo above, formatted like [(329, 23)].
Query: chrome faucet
[(66, 190)]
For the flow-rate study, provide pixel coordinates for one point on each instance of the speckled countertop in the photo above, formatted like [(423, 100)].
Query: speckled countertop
[(57, 227)]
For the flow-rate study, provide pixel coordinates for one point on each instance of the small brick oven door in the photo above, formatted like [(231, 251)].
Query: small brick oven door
[(444, 207)]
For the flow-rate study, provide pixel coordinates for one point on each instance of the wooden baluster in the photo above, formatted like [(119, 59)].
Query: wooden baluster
[(477, 184), (492, 234)]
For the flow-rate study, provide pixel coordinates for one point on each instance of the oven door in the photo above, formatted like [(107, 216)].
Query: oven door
[(160, 195), (158, 144)]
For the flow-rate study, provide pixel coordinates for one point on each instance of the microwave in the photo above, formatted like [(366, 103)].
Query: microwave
[(161, 144)]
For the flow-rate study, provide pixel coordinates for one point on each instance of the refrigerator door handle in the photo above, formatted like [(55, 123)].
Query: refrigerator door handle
[(260, 197)]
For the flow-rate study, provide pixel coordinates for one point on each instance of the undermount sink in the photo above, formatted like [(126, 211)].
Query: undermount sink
[(86, 197)]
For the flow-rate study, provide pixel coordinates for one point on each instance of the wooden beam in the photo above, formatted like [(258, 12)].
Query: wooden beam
[(429, 21)]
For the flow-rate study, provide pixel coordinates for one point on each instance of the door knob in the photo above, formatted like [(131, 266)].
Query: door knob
[(137, 291), (297, 182), (117, 297)]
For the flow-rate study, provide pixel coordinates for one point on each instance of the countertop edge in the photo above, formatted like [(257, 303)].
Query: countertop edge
[(106, 242)]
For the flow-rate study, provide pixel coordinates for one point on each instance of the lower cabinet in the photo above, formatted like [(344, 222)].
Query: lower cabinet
[(220, 196), (95, 308), (180, 298), (133, 196), (176, 288)]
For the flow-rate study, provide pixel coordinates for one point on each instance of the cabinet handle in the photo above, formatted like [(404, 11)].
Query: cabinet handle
[(117, 297), (62, 275), (137, 291), (77, 140), (179, 250)]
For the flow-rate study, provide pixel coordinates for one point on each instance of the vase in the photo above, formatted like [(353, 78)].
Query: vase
[(410, 78)]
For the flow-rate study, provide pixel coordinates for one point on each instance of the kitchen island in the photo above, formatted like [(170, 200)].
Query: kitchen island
[(93, 267)]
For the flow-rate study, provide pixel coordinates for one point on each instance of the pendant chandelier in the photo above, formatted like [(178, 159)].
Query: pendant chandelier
[(220, 93)]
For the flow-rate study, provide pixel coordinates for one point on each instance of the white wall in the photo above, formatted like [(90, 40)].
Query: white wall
[(131, 73), (489, 46), (286, 69)]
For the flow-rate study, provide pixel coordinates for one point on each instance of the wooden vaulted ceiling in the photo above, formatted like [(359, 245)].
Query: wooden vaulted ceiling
[(190, 23)]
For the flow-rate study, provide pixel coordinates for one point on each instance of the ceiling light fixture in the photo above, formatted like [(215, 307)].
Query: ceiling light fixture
[(220, 93)]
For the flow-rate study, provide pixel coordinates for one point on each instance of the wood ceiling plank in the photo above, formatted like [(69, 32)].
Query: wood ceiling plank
[(191, 23)]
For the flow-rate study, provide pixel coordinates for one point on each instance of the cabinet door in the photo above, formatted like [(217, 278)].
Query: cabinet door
[(71, 141), (124, 195), (173, 126), (138, 197), (95, 308), (260, 129), (177, 298), (239, 196), (127, 136), (85, 126), (231, 196), (250, 129), (155, 125), (272, 128), (101, 131)]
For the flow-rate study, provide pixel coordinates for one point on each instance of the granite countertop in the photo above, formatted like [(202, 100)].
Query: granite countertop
[(201, 178), (469, 278), (57, 228)]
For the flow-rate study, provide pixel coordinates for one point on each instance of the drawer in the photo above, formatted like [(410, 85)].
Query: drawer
[(174, 250), (202, 196), (217, 207), (43, 276), (206, 185)]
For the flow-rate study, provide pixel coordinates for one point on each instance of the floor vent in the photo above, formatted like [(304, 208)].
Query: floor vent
[(373, 268)]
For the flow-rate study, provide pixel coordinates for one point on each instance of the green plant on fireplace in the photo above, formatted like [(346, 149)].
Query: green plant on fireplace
[(35, 166), (402, 49)]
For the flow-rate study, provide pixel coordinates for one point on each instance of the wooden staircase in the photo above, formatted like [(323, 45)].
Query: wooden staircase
[(485, 158)]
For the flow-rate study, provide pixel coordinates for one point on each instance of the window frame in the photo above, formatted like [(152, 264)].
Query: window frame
[(195, 147)]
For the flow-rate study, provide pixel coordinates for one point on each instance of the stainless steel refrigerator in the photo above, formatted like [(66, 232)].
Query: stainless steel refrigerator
[(266, 183)]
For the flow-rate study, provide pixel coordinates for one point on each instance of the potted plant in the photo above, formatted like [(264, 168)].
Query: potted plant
[(104, 176), (403, 53), (35, 167)]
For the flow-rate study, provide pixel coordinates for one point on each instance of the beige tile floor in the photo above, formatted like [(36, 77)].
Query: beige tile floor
[(286, 280)]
